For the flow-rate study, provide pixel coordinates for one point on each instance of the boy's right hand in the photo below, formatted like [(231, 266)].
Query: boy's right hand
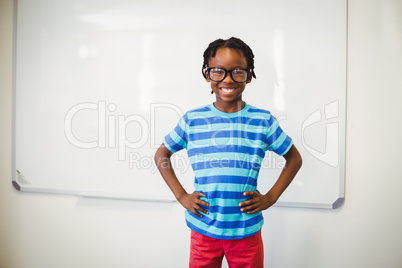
[(192, 202)]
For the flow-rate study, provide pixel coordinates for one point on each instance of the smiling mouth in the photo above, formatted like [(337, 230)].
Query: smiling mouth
[(227, 89)]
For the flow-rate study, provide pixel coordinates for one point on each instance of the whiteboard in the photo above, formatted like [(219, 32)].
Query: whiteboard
[(98, 84)]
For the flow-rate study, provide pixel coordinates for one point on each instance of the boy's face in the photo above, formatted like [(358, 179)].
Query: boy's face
[(227, 90)]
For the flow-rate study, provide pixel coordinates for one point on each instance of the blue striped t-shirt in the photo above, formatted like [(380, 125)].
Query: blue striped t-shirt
[(226, 151)]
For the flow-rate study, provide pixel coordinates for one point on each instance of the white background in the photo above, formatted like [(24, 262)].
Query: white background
[(38, 230)]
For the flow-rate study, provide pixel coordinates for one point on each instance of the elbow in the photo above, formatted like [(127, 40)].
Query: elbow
[(162, 155), (294, 159), (299, 162), (158, 157)]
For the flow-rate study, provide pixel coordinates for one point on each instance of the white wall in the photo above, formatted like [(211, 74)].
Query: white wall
[(64, 231)]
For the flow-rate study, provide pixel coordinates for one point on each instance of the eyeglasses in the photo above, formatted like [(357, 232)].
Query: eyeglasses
[(238, 75)]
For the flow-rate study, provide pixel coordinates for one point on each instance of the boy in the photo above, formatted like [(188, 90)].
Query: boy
[(226, 143)]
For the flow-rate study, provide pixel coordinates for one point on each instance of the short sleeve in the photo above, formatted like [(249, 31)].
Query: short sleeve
[(277, 140), (176, 140)]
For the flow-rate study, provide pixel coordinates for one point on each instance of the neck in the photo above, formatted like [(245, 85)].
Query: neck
[(231, 107)]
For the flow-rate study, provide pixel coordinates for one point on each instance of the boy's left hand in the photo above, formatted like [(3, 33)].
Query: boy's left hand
[(258, 202)]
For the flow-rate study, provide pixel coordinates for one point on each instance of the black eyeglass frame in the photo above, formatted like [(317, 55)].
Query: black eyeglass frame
[(208, 70)]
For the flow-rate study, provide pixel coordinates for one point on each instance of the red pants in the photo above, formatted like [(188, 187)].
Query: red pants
[(208, 252)]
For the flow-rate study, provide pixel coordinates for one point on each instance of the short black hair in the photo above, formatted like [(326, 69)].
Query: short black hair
[(234, 43)]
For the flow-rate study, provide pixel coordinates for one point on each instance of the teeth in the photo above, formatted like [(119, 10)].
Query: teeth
[(227, 89)]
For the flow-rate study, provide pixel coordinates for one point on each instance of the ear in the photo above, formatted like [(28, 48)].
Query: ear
[(249, 78), (205, 73)]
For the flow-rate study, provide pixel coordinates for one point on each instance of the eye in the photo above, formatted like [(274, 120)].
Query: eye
[(238, 71), (217, 71)]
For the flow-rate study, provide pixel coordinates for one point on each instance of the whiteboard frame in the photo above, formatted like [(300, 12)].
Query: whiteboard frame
[(22, 185)]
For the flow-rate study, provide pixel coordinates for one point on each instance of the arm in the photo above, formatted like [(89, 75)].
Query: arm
[(191, 201), (262, 202)]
